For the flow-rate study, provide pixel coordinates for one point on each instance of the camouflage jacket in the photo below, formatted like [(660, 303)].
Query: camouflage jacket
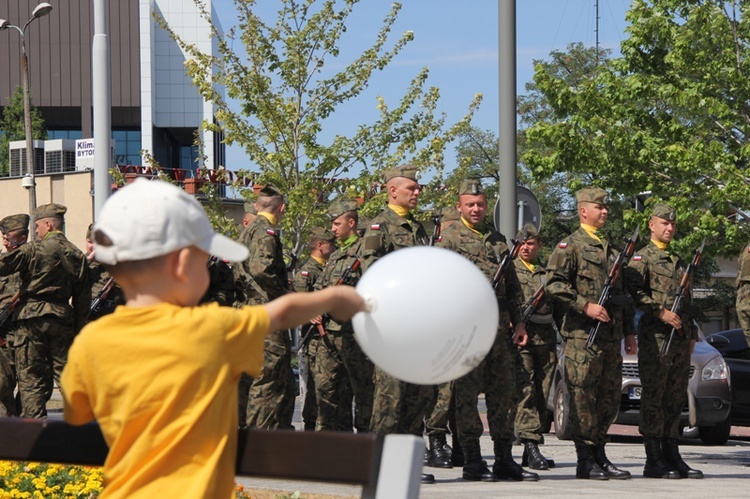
[(339, 261), (98, 277), (54, 275), (743, 266), (304, 280), (263, 275), (540, 328), (653, 279), (388, 232), (576, 273), (486, 251)]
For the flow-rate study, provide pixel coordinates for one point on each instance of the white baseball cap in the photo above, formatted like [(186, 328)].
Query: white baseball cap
[(151, 218)]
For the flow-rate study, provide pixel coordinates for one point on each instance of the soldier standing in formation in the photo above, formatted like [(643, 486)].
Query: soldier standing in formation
[(56, 297), (576, 274), (398, 406), (15, 230), (743, 291), (653, 278), (322, 243), (342, 370), (263, 277), (103, 288), (538, 357), (478, 241)]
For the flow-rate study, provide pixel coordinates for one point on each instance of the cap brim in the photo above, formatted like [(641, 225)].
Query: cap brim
[(224, 248)]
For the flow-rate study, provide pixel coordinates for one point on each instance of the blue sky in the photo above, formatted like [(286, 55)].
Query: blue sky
[(458, 41)]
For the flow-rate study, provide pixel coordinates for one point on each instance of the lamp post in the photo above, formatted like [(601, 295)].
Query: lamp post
[(29, 182)]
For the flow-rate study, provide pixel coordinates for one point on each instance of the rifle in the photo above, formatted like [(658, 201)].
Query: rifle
[(534, 302), (438, 227), (13, 244), (7, 310), (609, 284), (682, 292), (96, 303), (502, 269)]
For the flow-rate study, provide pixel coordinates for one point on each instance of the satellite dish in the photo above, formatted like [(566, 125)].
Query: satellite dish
[(529, 211)]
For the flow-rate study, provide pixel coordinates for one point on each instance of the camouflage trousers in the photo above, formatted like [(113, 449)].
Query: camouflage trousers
[(594, 380), (309, 408), (664, 383), (41, 349), (743, 308), (398, 406), (8, 405), (271, 395), (533, 380), (441, 411), (495, 376)]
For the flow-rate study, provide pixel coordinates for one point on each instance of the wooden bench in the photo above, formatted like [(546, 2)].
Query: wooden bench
[(386, 467)]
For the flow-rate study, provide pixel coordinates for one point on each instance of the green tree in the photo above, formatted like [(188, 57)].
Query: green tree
[(289, 79), (671, 116), (12, 127)]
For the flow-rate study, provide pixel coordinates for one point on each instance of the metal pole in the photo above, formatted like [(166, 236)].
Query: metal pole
[(102, 101), (507, 101), (30, 181)]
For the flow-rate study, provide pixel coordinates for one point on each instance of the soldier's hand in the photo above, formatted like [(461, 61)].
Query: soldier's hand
[(520, 336), (318, 319), (596, 312), (670, 318)]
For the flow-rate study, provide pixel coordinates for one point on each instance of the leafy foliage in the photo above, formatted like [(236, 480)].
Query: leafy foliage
[(13, 128)]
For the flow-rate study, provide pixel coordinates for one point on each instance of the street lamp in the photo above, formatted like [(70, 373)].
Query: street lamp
[(29, 182)]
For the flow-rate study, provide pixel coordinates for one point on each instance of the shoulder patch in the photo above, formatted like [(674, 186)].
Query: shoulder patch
[(637, 258), (304, 273), (748, 248), (270, 232), (375, 227), (562, 245)]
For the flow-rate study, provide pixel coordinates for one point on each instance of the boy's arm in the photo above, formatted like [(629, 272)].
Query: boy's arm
[(291, 310)]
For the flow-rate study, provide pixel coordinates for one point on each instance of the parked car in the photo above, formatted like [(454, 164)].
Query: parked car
[(734, 348), (709, 395)]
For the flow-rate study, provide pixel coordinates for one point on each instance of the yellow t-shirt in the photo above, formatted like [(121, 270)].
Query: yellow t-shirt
[(162, 383)]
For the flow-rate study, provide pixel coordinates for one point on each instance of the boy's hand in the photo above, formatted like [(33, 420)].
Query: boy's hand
[(346, 303)]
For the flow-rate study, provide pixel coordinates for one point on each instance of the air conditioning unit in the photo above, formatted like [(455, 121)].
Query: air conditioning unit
[(59, 156), (18, 157)]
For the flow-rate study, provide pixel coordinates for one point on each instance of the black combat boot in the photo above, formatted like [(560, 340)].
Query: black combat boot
[(656, 466), (674, 460), (506, 468), (586, 466), (532, 456), (427, 478), (604, 463), (457, 453), (438, 455), (475, 469)]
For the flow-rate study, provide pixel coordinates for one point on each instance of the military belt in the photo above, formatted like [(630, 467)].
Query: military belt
[(542, 319)]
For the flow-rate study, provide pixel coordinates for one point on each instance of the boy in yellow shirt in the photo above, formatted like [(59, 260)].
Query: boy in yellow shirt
[(160, 373)]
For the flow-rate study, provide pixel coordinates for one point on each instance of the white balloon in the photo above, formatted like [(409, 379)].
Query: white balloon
[(433, 315)]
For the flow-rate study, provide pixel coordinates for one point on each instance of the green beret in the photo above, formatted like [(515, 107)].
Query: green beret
[(15, 222), (250, 208), (470, 186), (52, 210), (529, 230), (322, 234), (341, 206), (270, 190), (664, 211), (592, 195), (406, 171)]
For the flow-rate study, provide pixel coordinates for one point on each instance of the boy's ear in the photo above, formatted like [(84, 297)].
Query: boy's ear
[(177, 262)]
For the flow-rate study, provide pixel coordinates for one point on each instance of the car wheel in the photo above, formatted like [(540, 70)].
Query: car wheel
[(689, 432), (717, 434), (562, 414)]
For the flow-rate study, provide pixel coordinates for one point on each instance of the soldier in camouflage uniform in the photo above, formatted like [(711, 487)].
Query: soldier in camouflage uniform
[(576, 273), (55, 305), (341, 369), (398, 407), (743, 291), (653, 277), (15, 230), (478, 241), (539, 356), (98, 279), (263, 277), (322, 243)]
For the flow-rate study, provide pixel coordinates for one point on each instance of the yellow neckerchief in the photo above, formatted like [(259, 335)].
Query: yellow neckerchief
[(319, 260), (343, 245), (50, 233), (591, 231), (470, 226), (528, 265), (400, 210), (268, 216), (662, 246)]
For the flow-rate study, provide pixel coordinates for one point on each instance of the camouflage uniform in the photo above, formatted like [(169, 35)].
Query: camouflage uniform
[(54, 275), (537, 358), (98, 277), (263, 278), (743, 291), (342, 370)]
